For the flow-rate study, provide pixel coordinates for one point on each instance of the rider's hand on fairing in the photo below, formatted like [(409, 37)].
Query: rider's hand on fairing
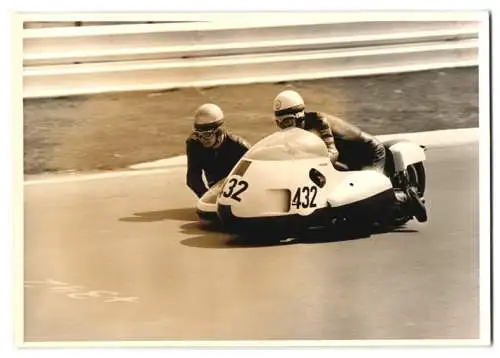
[(333, 153), (340, 166)]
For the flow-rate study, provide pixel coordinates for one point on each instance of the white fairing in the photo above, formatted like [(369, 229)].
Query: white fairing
[(279, 165), (279, 175), (208, 202), (406, 153), (358, 186)]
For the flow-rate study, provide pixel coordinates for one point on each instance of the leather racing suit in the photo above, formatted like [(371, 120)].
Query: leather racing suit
[(345, 142), (216, 163)]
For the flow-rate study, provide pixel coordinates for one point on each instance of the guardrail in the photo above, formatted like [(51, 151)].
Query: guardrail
[(94, 59)]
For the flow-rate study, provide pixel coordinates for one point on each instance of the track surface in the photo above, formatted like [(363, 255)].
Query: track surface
[(137, 236)]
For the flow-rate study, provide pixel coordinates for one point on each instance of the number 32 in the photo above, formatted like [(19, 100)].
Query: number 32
[(231, 193)]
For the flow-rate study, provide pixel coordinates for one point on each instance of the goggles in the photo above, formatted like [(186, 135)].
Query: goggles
[(285, 122), (288, 120), (206, 134)]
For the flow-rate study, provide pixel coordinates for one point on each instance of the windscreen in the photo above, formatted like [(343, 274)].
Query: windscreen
[(288, 144)]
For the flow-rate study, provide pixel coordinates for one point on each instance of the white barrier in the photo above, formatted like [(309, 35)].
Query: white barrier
[(122, 43), (95, 59)]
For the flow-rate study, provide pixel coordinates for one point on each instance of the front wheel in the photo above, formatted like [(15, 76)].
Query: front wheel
[(394, 219), (416, 177), (400, 221)]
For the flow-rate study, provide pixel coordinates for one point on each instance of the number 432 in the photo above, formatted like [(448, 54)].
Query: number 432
[(304, 197)]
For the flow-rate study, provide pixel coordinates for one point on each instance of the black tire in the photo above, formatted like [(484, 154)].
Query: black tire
[(416, 178), (391, 222), (416, 175), (398, 222)]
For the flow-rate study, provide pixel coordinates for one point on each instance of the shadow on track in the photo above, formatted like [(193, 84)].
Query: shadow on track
[(215, 236), (182, 214), (211, 236), (208, 236)]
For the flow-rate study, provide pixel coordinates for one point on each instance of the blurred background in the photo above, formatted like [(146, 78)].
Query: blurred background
[(103, 95)]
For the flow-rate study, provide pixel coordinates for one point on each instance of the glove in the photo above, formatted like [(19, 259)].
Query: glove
[(340, 166)]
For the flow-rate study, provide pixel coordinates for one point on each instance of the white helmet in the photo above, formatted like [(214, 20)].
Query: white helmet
[(288, 102), (208, 116)]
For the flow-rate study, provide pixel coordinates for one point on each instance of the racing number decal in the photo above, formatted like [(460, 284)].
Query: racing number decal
[(244, 186), (305, 196), (231, 193)]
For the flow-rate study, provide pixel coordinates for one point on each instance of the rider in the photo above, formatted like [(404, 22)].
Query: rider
[(211, 149), (349, 148)]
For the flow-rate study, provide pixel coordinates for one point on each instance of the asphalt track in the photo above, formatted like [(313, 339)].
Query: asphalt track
[(123, 258)]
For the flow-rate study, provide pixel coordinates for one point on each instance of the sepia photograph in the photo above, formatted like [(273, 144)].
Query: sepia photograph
[(268, 179)]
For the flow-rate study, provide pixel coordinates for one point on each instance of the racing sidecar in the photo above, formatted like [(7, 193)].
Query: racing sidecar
[(286, 183)]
